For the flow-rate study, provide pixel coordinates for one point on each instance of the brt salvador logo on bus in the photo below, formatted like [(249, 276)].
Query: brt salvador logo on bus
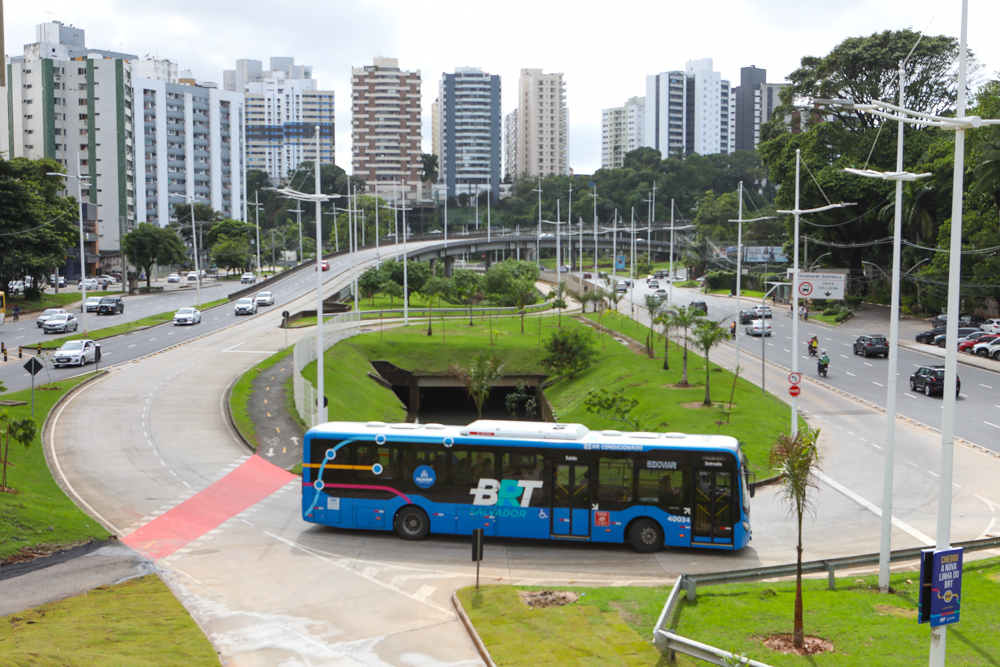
[(504, 492), (423, 477)]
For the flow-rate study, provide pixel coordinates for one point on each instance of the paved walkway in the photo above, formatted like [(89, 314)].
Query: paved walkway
[(278, 432)]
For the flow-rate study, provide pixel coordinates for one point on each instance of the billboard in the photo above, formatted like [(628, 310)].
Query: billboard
[(764, 254)]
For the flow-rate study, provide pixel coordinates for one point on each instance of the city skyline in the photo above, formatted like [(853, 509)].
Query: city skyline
[(771, 34)]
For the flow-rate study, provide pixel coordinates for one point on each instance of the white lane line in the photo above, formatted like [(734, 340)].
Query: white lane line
[(876, 446), (153, 338), (132, 345), (985, 385), (991, 424), (851, 374), (875, 510), (913, 464), (186, 484), (785, 350), (876, 383), (931, 472), (908, 394), (866, 363), (16, 337), (844, 356)]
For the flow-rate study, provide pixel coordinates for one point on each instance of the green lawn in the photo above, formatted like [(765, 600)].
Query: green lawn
[(39, 515), (864, 626), (239, 398), (756, 418), (137, 623), (108, 332), (746, 293), (65, 297)]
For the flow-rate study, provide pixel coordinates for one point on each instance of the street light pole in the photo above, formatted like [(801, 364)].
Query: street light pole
[(594, 195), (80, 178), (256, 210), (194, 245), (538, 239), (670, 297)]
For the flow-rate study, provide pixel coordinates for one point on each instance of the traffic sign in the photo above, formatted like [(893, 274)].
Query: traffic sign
[(33, 366), (795, 390), (805, 289), (821, 285), (795, 378)]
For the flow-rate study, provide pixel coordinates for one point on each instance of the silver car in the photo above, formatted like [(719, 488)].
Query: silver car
[(76, 353), (758, 328), (92, 303), (246, 306), (187, 316), (49, 312), (62, 323), (264, 299)]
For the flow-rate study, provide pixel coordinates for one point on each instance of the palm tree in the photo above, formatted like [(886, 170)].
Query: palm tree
[(708, 334), (664, 318), (684, 318), (22, 431), (558, 295), (524, 292), (918, 221), (480, 377), (795, 458), (987, 172)]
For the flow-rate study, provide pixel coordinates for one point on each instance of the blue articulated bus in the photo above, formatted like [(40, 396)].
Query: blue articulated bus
[(529, 479)]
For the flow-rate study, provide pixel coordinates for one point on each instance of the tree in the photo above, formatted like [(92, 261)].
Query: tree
[(665, 319), (22, 431), (501, 280), (521, 397), (391, 289), (614, 406), (430, 166), (148, 244), (683, 318), (558, 296), (467, 285), (708, 334), (795, 458), (231, 253), (370, 283), (480, 377), (435, 288), (525, 293), (569, 351)]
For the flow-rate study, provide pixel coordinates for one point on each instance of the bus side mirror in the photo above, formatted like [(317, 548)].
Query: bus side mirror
[(753, 488)]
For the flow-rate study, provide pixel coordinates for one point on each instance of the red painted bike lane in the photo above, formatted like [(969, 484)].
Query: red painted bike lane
[(254, 480)]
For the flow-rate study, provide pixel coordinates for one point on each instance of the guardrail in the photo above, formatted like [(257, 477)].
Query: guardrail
[(670, 642)]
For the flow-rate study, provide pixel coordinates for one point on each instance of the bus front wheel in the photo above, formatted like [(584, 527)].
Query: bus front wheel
[(412, 523), (646, 536)]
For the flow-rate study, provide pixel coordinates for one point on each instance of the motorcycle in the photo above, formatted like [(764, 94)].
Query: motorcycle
[(821, 368), (812, 350)]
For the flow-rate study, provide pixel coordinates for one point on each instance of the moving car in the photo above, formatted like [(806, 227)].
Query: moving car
[(248, 279), (869, 344), (246, 306), (325, 265), (700, 305), (748, 316), (192, 277), (92, 303), (967, 343), (264, 299), (49, 312), (621, 287), (111, 305), (660, 294), (174, 278), (930, 380), (654, 283), (187, 316), (764, 311), (61, 323), (61, 280), (76, 353), (758, 328), (928, 336), (587, 276)]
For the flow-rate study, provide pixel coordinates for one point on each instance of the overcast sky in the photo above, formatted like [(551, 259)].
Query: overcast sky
[(605, 50)]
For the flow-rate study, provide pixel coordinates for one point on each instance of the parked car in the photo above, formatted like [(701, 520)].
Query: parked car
[(748, 316), (111, 305), (106, 279), (89, 284), (76, 353), (700, 305), (941, 339), (61, 323), (264, 299), (59, 281), (49, 312), (187, 316), (192, 277), (15, 287), (758, 328), (248, 279), (92, 303), (990, 348), (764, 311), (928, 336), (970, 320), (966, 344), (869, 344), (246, 306), (174, 278), (990, 326), (930, 380)]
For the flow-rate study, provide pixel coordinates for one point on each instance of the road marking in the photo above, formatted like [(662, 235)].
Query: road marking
[(875, 510), (851, 374), (913, 464), (866, 363), (876, 383), (844, 356), (908, 394), (991, 424), (931, 472), (985, 385), (876, 446), (16, 337), (153, 338), (785, 350)]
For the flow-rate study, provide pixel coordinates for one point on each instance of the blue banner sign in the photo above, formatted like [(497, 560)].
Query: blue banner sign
[(941, 587)]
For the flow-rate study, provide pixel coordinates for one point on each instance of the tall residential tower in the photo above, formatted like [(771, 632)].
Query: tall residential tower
[(470, 124), (539, 144), (689, 111), (622, 130)]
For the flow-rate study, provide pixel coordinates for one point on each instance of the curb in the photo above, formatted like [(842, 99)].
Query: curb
[(476, 639)]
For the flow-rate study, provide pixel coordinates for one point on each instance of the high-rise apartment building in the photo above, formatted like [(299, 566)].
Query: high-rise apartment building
[(470, 131), (75, 105), (386, 126), (510, 145), (541, 129), (191, 145), (690, 111), (622, 131), (283, 106), (755, 102)]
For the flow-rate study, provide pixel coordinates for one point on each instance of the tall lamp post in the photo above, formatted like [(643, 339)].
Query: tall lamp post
[(318, 198), (194, 241), (739, 267), (80, 178), (538, 239)]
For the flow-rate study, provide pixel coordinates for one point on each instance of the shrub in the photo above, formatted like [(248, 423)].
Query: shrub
[(854, 301)]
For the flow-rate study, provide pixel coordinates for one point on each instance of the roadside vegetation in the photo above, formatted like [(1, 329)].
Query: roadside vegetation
[(239, 397)]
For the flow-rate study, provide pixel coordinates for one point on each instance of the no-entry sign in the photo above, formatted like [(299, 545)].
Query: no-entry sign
[(795, 390)]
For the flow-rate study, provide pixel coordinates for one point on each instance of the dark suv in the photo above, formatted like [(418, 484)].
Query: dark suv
[(110, 305), (700, 305), (870, 344), (930, 380)]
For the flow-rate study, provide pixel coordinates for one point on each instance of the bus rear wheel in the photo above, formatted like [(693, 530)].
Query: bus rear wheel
[(646, 536), (412, 523)]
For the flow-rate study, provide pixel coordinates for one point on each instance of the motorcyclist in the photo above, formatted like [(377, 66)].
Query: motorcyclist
[(732, 329), (813, 345), (823, 363)]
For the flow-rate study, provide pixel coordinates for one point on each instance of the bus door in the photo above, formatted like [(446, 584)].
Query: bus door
[(714, 493), (570, 515)]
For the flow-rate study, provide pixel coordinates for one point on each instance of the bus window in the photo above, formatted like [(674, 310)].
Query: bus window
[(368, 455), (662, 487), (522, 465), (614, 477)]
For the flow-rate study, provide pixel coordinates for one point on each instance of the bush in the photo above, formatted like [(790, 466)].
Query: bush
[(831, 311), (719, 279), (842, 317), (854, 301)]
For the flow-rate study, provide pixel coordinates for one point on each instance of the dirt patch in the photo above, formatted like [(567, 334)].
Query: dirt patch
[(38, 551), (10, 404), (543, 599), (783, 643), (890, 610), (698, 405)]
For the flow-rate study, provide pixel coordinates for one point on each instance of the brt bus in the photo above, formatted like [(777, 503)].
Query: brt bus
[(529, 479)]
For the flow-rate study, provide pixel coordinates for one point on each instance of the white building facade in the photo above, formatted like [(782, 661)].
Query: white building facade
[(541, 135), (690, 111), (622, 130), (470, 132)]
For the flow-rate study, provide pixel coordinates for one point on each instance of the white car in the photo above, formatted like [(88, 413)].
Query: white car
[(264, 299), (192, 277), (76, 353), (89, 283), (990, 348), (62, 323), (174, 278), (92, 303), (990, 326), (246, 306), (49, 312), (758, 328), (187, 316), (765, 311), (248, 279)]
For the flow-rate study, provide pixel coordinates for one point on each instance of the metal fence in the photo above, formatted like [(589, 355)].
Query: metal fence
[(670, 642), (335, 329)]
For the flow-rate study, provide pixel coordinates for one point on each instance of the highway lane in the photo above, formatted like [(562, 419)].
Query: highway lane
[(977, 411)]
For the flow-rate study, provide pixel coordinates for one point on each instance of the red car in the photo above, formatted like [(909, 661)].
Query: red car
[(325, 264), (966, 345)]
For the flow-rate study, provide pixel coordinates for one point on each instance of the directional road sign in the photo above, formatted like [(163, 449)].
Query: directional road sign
[(821, 285), (795, 378), (34, 365)]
